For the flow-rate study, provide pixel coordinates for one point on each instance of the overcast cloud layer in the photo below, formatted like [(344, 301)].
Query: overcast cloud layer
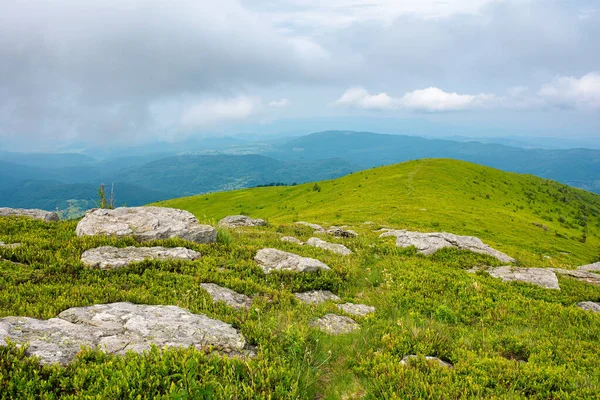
[(132, 70)]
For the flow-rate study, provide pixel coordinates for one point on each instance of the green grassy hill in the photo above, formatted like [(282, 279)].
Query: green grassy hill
[(505, 339), (523, 215)]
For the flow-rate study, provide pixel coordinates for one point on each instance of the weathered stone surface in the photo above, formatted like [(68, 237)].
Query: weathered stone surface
[(235, 221), (117, 328), (590, 267), (316, 227), (108, 257), (145, 223), (433, 360), (341, 232), (10, 245), (589, 306), (291, 239), (334, 324), (31, 213), (228, 296), (333, 247), (356, 309), (429, 243), (316, 296), (276, 260), (580, 275), (543, 277)]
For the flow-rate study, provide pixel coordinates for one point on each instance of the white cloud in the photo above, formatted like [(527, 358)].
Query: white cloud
[(358, 97), (435, 99), (571, 92), (281, 103), (208, 113)]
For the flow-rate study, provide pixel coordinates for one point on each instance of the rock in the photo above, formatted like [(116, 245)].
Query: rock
[(46, 216), (589, 306), (117, 328), (276, 260), (340, 232), (316, 297), (590, 267), (580, 275), (316, 227), (429, 243), (543, 277), (10, 245), (145, 223), (235, 221), (407, 360), (228, 296), (356, 309), (334, 324), (333, 247), (108, 257), (291, 239)]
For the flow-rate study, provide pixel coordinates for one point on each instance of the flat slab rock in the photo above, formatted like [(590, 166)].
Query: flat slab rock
[(145, 223), (429, 243), (228, 296), (580, 275), (316, 297), (43, 215), (433, 360), (117, 328), (590, 267), (109, 257), (291, 239), (356, 309), (589, 306), (276, 260), (316, 227), (334, 324), (341, 232), (333, 247), (236, 221), (544, 277)]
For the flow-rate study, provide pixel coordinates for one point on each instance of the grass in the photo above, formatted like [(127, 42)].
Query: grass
[(506, 340)]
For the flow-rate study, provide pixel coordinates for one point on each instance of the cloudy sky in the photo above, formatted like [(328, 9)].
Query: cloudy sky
[(129, 71)]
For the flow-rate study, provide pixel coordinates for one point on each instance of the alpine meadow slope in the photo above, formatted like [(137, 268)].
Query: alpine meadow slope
[(494, 339)]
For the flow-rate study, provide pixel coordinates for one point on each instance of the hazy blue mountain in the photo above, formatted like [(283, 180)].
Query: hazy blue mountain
[(46, 160)]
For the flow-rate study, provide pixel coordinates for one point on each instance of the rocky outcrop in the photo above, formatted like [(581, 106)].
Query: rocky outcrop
[(589, 306), (334, 324), (333, 247), (590, 267), (291, 239), (316, 297), (228, 296), (407, 360), (359, 310), (117, 328), (108, 257), (580, 275), (145, 223), (543, 277), (316, 227), (429, 243), (276, 260), (341, 232), (46, 216), (236, 221)]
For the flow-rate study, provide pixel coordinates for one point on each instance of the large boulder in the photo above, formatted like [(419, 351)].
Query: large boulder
[(333, 247), (117, 328), (316, 297), (543, 277), (429, 243), (276, 260), (228, 296), (334, 324), (235, 221), (145, 223), (108, 257), (46, 216)]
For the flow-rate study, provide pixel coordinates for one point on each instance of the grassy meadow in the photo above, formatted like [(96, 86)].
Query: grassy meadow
[(505, 340)]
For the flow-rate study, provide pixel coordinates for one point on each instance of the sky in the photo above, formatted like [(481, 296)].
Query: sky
[(132, 71)]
